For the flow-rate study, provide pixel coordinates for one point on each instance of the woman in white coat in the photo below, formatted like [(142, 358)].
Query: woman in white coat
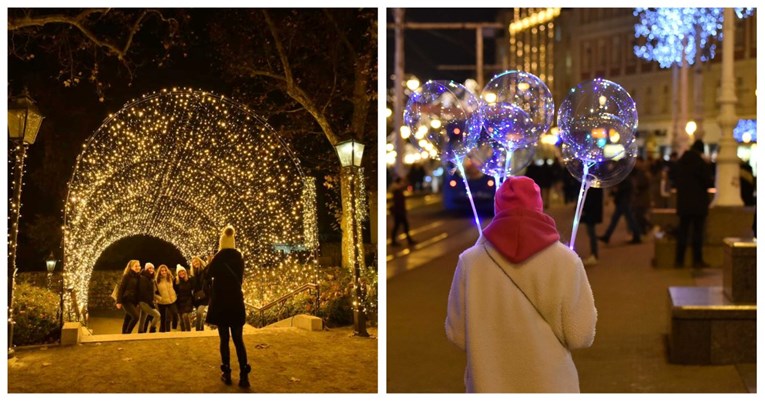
[(520, 300)]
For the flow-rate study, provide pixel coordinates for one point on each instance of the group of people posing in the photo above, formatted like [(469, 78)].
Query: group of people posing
[(158, 298), (213, 290)]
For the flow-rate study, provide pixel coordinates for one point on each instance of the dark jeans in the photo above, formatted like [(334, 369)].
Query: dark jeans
[(697, 235), (623, 208), (199, 321), (399, 220), (167, 311), (236, 335), (132, 314), (185, 322), (593, 238)]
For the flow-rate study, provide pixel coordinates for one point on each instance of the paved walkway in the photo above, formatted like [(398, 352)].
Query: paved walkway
[(284, 360), (629, 353)]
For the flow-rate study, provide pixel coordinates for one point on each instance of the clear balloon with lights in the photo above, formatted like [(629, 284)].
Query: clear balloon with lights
[(491, 158), (443, 120), (596, 116), (517, 108), (597, 122)]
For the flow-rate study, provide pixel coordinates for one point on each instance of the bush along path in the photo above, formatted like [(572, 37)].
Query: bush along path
[(283, 360)]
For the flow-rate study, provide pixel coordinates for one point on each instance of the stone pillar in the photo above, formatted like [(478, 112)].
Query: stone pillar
[(698, 88), (682, 138), (727, 181), (398, 93)]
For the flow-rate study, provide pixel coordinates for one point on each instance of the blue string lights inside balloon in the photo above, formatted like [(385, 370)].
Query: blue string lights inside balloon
[(597, 122)]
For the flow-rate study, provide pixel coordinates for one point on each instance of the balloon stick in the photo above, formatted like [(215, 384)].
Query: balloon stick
[(458, 162), (580, 203)]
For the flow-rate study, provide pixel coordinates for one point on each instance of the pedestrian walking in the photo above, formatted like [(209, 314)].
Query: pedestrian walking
[(692, 179), (520, 300), (201, 290), (623, 200), (167, 297), (641, 201), (226, 271), (127, 295), (184, 290), (147, 295), (592, 214), (398, 210)]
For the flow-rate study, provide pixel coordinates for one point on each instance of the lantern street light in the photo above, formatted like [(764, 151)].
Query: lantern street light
[(350, 153), (50, 265), (24, 121)]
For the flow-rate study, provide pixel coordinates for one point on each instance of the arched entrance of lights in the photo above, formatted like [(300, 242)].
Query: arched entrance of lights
[(270, 270)]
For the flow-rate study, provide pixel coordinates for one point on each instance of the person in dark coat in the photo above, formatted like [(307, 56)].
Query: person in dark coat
[(226, 311), (398, 210), (127, 295), (623, 199), (641, 201), (184, 289), (201, 291), (592, 214), (692, 179), (146, 295)]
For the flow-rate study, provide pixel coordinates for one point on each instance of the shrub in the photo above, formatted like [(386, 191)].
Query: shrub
[(36, 313)]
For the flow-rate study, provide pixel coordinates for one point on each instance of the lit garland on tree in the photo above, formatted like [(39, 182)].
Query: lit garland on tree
[(180, 164), (355, 177), (664, 30)]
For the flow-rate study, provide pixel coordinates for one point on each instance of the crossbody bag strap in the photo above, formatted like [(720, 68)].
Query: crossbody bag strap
[(524, 294), (233, 274)]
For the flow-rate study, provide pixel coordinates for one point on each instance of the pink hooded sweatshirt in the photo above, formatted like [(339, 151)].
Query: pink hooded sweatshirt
[(520, 229), (520, 340)]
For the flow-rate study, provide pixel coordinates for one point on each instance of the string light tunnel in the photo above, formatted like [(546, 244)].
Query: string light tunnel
[(179, 164)]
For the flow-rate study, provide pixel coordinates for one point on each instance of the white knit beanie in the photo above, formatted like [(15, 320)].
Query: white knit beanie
[(179, 268), (227, 238)]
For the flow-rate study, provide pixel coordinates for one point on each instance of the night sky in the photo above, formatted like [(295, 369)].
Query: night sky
[(427, 49)]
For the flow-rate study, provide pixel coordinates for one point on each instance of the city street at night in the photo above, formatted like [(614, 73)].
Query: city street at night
[(629, 353)]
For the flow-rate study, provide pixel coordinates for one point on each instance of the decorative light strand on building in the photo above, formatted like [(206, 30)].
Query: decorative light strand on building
[(179, 164)]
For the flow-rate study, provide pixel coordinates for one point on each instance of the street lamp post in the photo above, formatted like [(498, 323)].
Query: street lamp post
[(727, 184), (350, 153), (50, 265), (24, 120)]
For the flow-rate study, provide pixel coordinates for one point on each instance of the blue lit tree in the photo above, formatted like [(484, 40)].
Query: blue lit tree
[(665, 29)]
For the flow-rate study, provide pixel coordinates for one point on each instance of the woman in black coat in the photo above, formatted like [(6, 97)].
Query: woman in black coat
[(127, 295), (201, 291), (226, 310), (184, 289)]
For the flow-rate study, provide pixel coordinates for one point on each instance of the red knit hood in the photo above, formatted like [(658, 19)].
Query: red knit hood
[(520, 229)]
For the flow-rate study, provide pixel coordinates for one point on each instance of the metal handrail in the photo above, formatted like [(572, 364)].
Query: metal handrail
[(285, 297)]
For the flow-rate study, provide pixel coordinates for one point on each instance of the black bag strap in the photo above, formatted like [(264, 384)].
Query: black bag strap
[(233, 274), (524, 294)]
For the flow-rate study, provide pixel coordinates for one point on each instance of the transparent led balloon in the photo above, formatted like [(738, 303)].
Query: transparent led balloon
[(491, 159), (442, 119), (594, 115), (615, 166), (517, 107)]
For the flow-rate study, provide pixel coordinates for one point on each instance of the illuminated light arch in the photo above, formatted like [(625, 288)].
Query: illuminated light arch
[(180, 164)]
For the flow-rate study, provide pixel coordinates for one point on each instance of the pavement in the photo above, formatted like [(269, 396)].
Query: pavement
[(629, 354)]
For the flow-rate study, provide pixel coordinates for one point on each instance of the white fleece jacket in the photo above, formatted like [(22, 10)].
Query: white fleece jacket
[(509, 346)]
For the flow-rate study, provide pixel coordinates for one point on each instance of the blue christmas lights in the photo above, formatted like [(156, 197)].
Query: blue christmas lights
[(665, 29)]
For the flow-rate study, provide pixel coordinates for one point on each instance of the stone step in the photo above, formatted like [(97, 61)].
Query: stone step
[(707, 328), (302, 321)]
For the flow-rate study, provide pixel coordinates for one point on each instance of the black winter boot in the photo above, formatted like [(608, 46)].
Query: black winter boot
[(225, 374), (244, 380)]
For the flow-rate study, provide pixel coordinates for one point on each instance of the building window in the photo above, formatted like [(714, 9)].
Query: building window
[(616, 55)]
